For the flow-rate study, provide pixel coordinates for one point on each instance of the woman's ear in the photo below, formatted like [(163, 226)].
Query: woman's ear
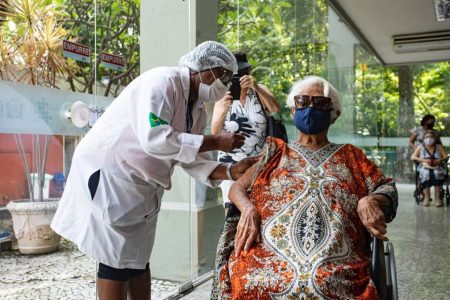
[(338, 113)]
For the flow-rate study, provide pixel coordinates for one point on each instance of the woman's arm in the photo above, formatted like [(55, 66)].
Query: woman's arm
[(416, 155), (444, 155), (412, 139), (378, 204), (250, 220), (219, 113), (268, 99), (237, 170)]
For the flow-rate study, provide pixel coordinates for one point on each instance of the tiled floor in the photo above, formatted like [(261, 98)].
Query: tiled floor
[(421, 238), (65, 274)]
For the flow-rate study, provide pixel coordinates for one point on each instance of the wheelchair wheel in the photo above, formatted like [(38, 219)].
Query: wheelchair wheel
[(447, 195), (379, 274), (391, 273), (418, 195)]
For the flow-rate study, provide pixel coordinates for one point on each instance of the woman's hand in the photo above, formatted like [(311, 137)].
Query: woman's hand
[(247, 81), (372, 217), (224, 104), (247, 230)]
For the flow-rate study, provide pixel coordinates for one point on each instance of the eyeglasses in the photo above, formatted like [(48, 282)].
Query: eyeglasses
[(319, 102), (225, 77)]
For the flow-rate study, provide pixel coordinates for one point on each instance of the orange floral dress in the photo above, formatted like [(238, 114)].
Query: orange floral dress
[(314, 245)]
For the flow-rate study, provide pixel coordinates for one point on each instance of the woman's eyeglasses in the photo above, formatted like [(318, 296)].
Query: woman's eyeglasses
[(318, 102)]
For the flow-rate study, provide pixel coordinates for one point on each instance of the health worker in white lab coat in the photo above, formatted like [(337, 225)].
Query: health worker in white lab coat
[(122, 166)]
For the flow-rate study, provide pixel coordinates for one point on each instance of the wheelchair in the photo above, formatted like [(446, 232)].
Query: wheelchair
[(445, 192), (384, 273)]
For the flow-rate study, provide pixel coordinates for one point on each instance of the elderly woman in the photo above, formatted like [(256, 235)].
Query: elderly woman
[(416, 136), (307, 211), (430, 157)]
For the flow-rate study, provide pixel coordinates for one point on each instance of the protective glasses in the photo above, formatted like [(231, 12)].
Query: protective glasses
[(225, 77), (318, 102)]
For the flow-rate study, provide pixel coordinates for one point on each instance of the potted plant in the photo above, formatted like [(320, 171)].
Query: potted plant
[(31, 52)]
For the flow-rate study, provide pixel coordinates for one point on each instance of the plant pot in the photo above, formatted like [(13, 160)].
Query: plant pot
[(31, 222)]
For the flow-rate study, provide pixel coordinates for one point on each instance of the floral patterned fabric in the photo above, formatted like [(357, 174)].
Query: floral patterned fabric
[(314, 244)]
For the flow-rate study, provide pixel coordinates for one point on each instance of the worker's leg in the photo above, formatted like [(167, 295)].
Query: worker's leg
[(140, 285), (112, 289), (112, 283)]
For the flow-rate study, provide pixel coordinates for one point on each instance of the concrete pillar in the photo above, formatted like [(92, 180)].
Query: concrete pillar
[(170, 29)]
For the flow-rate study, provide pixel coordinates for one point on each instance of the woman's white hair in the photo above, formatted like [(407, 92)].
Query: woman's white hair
[(328, 91)]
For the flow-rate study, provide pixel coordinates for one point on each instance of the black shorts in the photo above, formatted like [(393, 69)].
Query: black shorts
[(110, 273)]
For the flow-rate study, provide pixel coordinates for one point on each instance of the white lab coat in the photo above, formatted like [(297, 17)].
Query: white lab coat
[(136, 161)]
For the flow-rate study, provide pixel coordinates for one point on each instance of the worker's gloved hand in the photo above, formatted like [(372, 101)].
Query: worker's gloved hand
[(228, 141)]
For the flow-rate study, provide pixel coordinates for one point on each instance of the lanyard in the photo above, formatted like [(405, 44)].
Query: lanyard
[(431, 155), (189, 119)]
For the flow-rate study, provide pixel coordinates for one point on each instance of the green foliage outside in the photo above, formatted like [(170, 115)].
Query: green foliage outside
[(285, 41), (110, 26), (31, 38), (288, 39), (376, 96)]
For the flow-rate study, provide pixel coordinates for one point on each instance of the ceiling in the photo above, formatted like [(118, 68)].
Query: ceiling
[(374, 22)]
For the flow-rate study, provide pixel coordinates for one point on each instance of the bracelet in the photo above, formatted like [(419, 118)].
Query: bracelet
[(228, 171)]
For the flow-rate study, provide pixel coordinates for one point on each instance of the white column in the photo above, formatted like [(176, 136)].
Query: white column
[(170, 29)]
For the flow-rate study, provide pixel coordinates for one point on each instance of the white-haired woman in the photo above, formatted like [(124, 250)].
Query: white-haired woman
[(307, 210)]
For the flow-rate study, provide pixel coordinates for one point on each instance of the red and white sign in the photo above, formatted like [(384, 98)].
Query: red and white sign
[(112, 61), (76, 51)]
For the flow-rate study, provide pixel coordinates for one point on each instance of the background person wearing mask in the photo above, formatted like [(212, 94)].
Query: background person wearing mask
[(122, 166), (246, 115), (416, 134), (430, 157)]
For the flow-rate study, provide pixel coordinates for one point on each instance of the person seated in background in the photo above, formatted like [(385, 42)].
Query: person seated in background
[(307, 212), (430, 157), (246, 115), (416, 134)]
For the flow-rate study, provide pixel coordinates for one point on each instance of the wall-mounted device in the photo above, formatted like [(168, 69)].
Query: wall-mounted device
[(80, 114)]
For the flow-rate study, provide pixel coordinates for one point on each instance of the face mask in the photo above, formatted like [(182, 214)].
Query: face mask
[(428, 141), (311, 121), (212, 93)]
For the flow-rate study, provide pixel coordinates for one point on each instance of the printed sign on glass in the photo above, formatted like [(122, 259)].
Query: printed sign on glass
[(112, 61), (76, 51)]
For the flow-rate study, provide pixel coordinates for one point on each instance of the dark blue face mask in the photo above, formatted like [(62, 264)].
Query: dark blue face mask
[(311, 120)]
